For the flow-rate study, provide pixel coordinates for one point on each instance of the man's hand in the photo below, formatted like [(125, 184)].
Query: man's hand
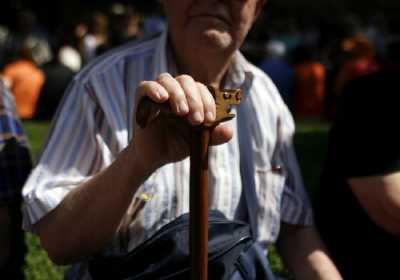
[(166, 139)]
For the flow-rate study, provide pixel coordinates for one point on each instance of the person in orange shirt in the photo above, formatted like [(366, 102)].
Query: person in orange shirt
[(309, 85), (25, 80)]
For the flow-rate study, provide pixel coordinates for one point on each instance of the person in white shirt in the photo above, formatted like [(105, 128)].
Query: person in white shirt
[(105, 185)]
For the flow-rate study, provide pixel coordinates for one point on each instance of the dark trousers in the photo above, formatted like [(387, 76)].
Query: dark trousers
[(13, 268)]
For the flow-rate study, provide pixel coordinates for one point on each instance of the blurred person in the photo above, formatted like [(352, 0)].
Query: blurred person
[(309, 85), (96, 36), (28, 29), (15, 165), (4, 38), (357, 205), (153, 21), (133, 24), (57, 78), (289, 34), (360, 61), (41, 51), (70, 58), (98, 163), (124, 24), (25, 80), (60, 71), (80, 31), (153, 24), (278, 69), (377, 32), (69, 44)]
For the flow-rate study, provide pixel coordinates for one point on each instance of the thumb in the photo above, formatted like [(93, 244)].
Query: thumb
[(221, 134)]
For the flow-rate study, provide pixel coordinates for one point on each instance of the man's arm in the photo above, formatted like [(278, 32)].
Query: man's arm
[(88, 217), (303, 251), (380, 198)]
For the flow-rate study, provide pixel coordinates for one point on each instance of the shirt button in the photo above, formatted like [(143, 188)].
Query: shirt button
[(277, 168)]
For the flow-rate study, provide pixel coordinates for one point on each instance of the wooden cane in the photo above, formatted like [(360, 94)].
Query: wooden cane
[(198, 217), (199, 143)]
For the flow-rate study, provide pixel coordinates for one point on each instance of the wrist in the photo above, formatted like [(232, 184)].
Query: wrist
[(141, 164)]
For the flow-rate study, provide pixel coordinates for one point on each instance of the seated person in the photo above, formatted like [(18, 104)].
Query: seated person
[(86, 194), (357, 208), (15, 165)]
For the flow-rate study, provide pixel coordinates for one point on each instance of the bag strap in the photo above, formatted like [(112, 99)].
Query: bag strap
[(249, 196)]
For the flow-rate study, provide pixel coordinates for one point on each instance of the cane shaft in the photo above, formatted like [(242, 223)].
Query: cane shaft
[(199, 203)]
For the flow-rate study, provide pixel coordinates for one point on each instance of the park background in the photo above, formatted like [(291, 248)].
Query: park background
[(311, 138)]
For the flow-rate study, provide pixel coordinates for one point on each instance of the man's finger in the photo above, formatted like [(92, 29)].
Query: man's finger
[(221, 134), (193, 98), (152, 90), (177, 98), (208, 104)]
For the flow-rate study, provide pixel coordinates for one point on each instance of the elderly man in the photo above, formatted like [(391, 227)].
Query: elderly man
[(362, 171), (105, 185)]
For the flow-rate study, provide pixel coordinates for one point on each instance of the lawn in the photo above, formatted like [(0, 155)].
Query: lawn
[(310, 141)]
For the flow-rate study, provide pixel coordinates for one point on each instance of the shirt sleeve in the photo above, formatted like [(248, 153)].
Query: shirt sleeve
[(295, 205), (75, 150), (365, 141)]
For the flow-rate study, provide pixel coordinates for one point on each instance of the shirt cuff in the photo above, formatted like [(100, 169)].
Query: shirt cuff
[(37, 206), (302, 215)]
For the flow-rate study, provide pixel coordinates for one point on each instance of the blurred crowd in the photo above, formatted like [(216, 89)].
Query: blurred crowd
[(310, 64), (38, 65)]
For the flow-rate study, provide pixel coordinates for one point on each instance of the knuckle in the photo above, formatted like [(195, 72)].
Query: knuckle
[(201, 86), (143, 84), (164, 77), (148, 88), (184, 77), (206, 94), (143, 88)]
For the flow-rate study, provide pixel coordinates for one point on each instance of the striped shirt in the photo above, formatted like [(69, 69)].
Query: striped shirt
[(95, 124), (15, 161)]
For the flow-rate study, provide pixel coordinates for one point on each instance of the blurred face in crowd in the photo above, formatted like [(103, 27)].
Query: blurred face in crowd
[(212, 25)]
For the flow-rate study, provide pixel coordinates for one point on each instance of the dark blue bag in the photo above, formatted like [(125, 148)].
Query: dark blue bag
[(233, 253)]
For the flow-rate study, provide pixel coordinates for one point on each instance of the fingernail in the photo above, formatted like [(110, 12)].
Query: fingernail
[(162, 94), (197, 117), (183, 107)]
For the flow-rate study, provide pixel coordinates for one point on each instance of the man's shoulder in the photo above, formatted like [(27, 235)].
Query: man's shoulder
[(267, 101), (120, 58), (264, 88)]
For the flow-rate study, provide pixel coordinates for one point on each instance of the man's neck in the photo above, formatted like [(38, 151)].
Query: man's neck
[(209, 69)]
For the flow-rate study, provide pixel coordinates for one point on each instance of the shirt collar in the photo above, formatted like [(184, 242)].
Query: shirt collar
[(239, 75), (161, 64)]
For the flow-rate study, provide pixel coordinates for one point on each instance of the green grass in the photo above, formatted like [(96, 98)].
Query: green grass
[(38, 266), (36, 132), (310, 141)]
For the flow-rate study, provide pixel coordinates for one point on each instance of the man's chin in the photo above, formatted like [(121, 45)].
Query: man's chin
[(215, 39)]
